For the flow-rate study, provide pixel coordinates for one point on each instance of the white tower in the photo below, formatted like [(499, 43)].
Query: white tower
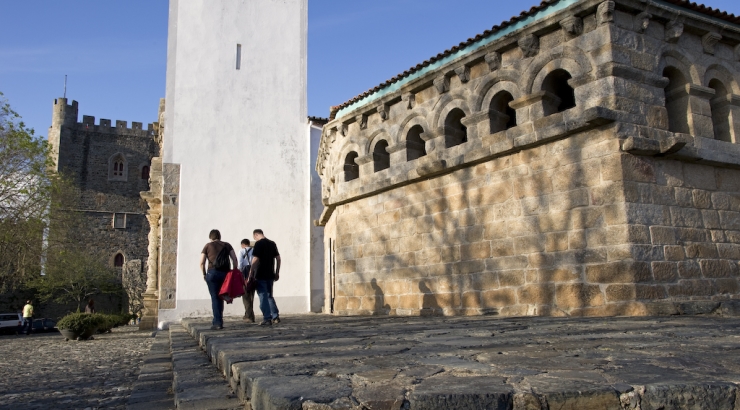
[(235, 129)]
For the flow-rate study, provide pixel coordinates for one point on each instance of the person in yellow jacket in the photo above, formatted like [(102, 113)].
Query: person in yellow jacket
[(28, 317)]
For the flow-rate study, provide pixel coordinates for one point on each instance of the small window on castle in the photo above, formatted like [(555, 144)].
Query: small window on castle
[(500, 115), (119, 221), (455, 132), (676, 100), (118, 168), (556, 83), (118, 261), (414, 144), (720, 111), (145, 172), (351, 169), (238, 56), (381, 157)]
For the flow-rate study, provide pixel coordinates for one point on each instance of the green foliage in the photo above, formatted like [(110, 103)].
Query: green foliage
[(81, 322), (30, 190), (73, 276)]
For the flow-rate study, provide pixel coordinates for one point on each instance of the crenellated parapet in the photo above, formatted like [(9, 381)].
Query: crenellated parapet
[(105, 126)]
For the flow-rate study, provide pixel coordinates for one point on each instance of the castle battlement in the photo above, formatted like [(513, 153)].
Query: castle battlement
[(65, 115), (120, 128)]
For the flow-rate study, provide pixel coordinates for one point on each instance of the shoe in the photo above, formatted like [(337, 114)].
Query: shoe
[(266, 323), (276, 320), (248, 319), (214, 327)]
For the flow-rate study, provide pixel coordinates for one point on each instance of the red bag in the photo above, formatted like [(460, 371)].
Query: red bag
[(233, 286)]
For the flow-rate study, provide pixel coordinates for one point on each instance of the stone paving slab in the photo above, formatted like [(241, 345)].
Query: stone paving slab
[(330, 362), (196, 384), (153, 388)]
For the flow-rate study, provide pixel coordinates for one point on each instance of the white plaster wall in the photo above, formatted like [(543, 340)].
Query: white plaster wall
[(317, 232), (240, 138)]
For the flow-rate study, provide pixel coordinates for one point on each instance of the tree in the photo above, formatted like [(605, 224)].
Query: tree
[(73, 276), (26, 186)]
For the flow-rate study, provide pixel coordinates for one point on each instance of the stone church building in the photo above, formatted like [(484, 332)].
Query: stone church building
[(581, 158)]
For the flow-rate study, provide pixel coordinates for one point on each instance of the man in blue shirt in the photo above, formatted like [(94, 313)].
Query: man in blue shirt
[(266, 270)]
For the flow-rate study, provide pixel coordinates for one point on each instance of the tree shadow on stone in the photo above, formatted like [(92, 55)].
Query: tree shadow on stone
[(379, 307)]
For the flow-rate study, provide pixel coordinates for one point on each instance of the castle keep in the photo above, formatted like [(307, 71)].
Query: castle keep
[(579, 159), (109, 164)]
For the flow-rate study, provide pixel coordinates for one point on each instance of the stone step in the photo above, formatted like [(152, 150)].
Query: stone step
[(153, 388), (197, 384), (322, 362)]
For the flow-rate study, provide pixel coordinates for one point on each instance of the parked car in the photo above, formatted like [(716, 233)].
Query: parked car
[(10, 322), (43, 325)]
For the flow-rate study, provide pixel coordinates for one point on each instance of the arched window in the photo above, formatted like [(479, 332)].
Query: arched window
[(118, 260), (455, 131), (501, 116), (676, 100), (145, 172), (720, 111), (381, 157), (351, 169), (556, 83), (117, 168), (414, 144)]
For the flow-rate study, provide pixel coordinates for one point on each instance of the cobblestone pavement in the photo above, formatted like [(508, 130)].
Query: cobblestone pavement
[(42, 371)]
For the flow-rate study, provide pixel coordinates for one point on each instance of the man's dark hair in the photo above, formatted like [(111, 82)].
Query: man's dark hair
[(259, 231), (245, 242), (214, 235)]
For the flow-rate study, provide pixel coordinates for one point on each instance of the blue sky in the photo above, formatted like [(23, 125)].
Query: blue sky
[(114, 52)]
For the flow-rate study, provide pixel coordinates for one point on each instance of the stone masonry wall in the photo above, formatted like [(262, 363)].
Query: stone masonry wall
[(584, 164), (85, 152)]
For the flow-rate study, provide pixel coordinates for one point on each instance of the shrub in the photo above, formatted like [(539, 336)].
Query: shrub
[(81, 322)]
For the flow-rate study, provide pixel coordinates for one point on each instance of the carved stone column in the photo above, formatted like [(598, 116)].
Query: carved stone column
[(149, 320)]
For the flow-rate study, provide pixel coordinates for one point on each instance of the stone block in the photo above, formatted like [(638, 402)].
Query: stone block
[(700, 176), (484, 281), (577, 295), (523, 226), (691, 287), (563, 201), (728, 250), (609, 193), (619, 272), (471, 300), (733, 236), (727, 286), (650, 292), (407, 227), (582, 174), (686, 217), (494, 231), (536, 294), (674, 253), (497, 298), (410, 243), (470, 266), (505, 263), (665, 272), (597, 398), (711, 219), (556, 241), (702, 198), (389, 217), (684, 197), (701, 250), (689, 269), (409, 301), (689, 396), (511, 278), (638, 169), (730, 220), (692, 235), (560, 274), (529, 244), (503, 247), (533, 186), (718, 268), (582, 218), (620, 293)]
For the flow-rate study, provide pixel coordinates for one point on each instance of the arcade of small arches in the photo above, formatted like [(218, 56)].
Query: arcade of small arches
[(553, 86)]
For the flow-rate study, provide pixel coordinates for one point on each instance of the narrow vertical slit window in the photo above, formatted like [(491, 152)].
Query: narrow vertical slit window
[(238, 56)]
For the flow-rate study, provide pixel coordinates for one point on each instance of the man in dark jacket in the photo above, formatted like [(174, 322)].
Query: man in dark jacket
[(266, 269)]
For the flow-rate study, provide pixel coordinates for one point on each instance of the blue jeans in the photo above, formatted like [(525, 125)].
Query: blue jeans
[(267, 303), (214, 279)]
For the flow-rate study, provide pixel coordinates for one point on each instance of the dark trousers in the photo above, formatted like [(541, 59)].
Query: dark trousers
[(248, 300), (214, 279), (27, 325)]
